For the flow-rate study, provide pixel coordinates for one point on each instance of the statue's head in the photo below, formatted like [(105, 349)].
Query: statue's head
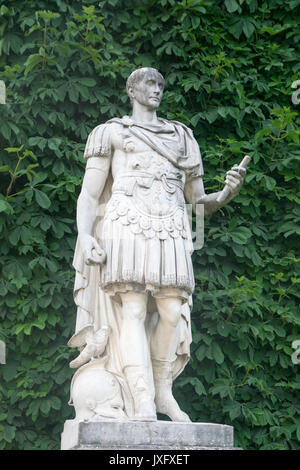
[(145, 85)]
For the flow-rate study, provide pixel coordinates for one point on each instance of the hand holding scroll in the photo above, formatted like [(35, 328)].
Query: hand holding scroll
[(234, 179)]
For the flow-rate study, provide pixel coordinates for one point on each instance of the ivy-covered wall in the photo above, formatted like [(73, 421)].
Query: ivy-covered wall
[(229, 67)]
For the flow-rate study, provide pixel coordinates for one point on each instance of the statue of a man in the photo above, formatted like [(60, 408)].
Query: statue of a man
[(133, 263)]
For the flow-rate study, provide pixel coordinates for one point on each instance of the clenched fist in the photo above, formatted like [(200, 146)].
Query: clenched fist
[(93, 253)]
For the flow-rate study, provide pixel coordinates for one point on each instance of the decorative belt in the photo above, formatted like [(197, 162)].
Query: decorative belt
[(145, 180)]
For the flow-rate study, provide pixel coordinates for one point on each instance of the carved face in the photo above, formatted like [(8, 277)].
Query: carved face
[(148, 91)]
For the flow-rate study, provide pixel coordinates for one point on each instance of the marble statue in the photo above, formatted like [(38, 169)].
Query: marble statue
[(134, 274)]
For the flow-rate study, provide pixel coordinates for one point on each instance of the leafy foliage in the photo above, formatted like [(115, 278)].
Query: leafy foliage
[(229, 66)]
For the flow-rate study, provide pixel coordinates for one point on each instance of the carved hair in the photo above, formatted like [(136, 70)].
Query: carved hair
[(138, 75)]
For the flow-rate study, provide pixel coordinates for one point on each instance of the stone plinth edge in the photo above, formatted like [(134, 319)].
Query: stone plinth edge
[(142, 435)]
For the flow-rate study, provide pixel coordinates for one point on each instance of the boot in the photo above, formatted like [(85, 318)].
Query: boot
[(164, 400), (144, 408)]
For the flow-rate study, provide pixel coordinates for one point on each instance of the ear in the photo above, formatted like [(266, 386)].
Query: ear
[(131, 92)]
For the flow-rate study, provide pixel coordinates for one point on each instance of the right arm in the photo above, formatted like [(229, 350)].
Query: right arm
[(96, 173)]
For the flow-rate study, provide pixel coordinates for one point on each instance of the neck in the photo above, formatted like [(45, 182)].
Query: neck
[(141, 113)]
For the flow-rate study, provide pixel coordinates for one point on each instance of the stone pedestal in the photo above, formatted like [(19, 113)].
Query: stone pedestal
[(142, 435)]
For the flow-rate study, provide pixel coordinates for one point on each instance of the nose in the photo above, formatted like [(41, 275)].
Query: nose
[(156, 89)]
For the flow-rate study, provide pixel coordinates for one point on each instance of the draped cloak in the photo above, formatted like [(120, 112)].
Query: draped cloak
[(176, 143)]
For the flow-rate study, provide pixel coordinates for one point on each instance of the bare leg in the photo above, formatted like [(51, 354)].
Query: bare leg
[(163, 351), (133, 340), (164, 341), (135, 354)]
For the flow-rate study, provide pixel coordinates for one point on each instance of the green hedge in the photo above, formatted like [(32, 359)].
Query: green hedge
[(229, 66)]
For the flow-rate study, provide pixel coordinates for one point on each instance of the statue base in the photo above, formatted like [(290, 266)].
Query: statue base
[(142, 435)]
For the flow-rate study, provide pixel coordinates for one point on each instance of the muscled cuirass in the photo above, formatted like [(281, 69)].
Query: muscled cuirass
[(148, 196)]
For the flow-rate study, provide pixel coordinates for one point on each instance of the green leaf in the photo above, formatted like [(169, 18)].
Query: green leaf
[(32, 62), (9, 433), (234, 409), (14, 235), (9, 369), (42, 199), (56, 403), (248, 28), (89, 82), (26, 235), (45, 406), (231, 5), (33, 409), (240, 235), (199, 387), (13, 149), (5, 207), (39, 141), (217, 353), (51, 265), (27, 329), (222, 387), (4, 168), (201, 352)]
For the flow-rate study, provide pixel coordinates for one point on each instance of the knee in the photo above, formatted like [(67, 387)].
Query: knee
[(134, 311), (171, 314)]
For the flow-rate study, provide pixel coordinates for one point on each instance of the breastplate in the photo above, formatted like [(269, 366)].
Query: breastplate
[(154, 185), (149, 196)]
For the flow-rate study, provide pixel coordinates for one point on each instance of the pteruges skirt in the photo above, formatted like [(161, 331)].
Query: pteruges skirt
[(144, 259)]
